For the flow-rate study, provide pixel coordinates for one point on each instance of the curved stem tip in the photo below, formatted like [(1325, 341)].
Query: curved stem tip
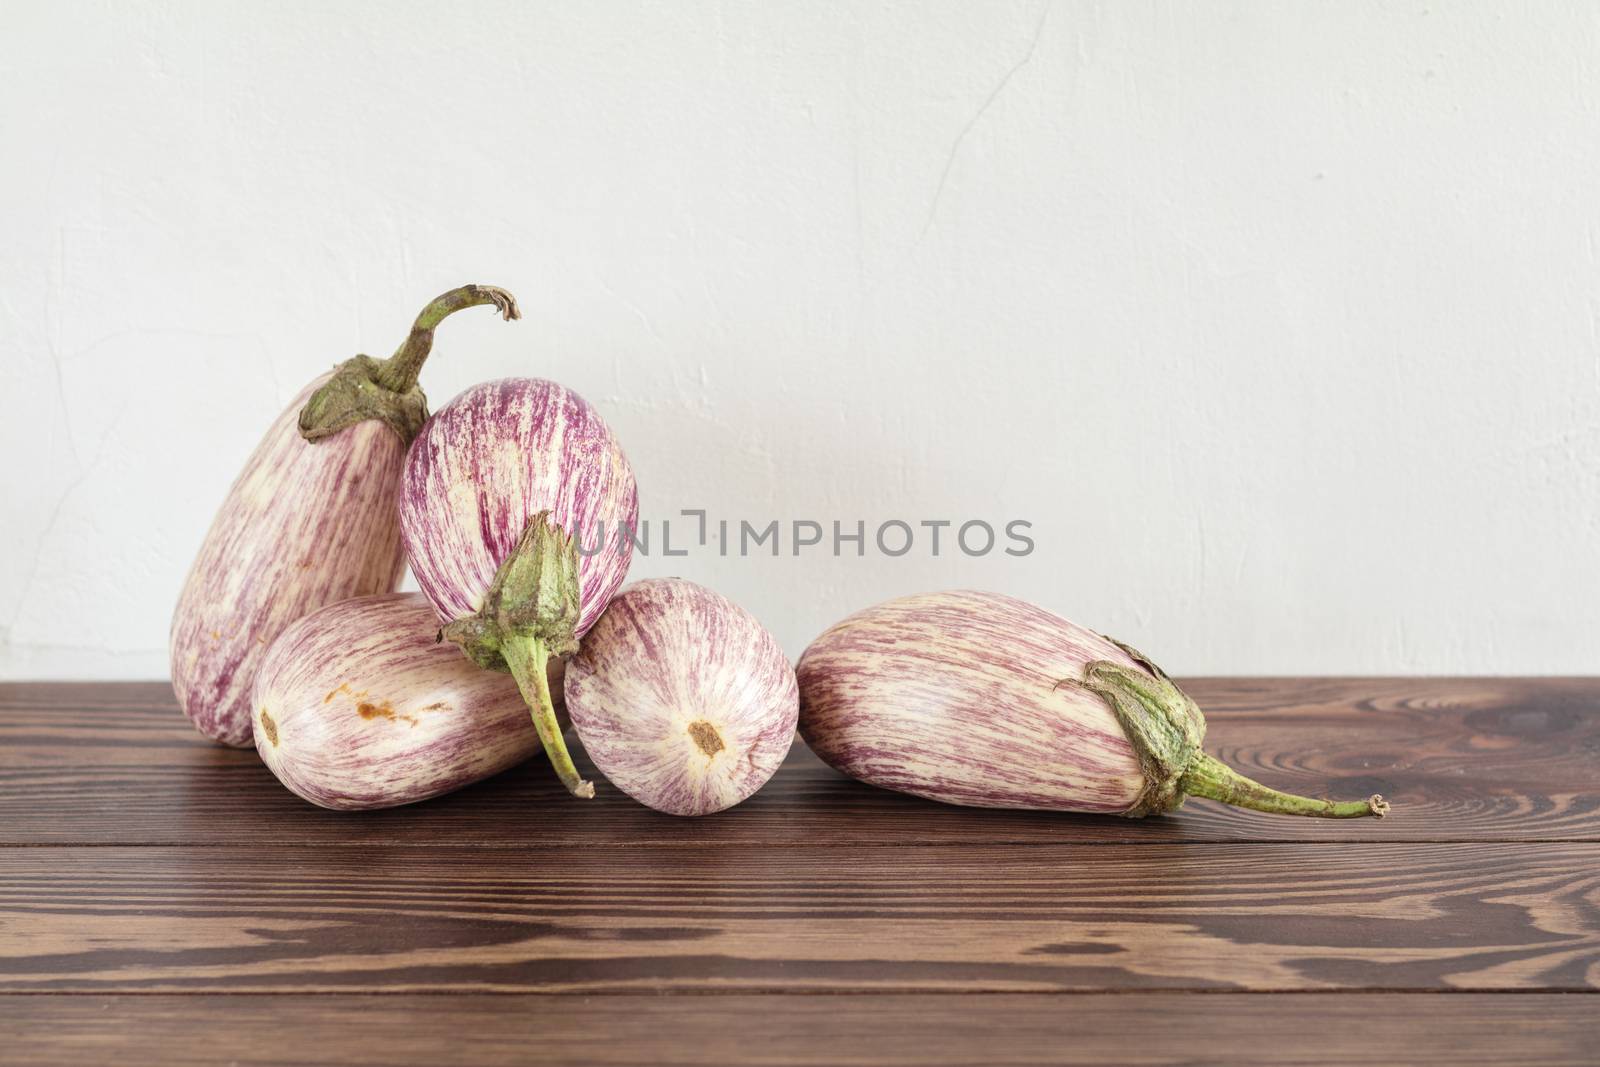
[(400, 371)]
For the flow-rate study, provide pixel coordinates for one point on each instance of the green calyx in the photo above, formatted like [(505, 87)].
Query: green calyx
[(363, 387), (1167, 729), (529, 614), (353, 395)]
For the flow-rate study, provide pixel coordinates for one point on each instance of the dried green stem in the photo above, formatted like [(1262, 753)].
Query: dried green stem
[(528, 660), (399, 373), (1166, 730), (364, 388), (529, 614), (1209, 777)]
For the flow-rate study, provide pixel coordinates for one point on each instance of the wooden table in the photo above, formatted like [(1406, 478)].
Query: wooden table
[(166, 901)]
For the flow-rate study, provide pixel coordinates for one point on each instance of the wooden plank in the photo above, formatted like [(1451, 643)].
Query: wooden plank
[(1296, 1030), (1050, 917), (1462, 759)]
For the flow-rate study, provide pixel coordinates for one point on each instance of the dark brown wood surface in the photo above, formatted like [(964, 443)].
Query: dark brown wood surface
[(166, 901), (898, 1029)]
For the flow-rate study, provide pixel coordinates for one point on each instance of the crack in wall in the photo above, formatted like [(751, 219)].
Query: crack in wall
[(994, 94)]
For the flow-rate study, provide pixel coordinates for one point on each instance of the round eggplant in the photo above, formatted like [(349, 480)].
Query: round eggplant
[(517, 508), (682, 699)]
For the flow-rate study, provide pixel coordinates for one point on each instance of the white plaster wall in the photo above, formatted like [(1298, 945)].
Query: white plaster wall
[(1278, 320)]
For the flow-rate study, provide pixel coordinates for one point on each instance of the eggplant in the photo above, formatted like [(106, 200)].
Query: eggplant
[(682, 699), (983, 700), (311, 520), (358, 706), (497, 490)]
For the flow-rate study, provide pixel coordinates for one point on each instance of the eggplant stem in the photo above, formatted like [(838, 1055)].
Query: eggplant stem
[(528, 659), (399, 373), (363, 388), (1209, 777)]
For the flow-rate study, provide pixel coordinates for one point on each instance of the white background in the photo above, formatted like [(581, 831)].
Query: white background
[(1279, 321)]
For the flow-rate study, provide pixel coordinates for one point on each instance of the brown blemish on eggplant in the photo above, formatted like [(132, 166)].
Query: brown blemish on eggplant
[(269, 727), (437, 706), (705, 735), (382, 711)]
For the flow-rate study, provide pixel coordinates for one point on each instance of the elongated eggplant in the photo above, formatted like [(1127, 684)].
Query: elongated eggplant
[(497, 489), (983, 700), (359, 706), (310, 521), (682, 699)]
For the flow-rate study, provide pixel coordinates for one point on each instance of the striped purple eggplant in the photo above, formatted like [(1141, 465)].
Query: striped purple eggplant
[(359, 706), (983, 700), (517, 508), (310, 521), (682, 699)]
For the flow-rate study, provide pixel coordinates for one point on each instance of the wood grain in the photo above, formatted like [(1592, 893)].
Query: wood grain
[(1049, 917), (163, 900), (911, 1030), (1461, 759)]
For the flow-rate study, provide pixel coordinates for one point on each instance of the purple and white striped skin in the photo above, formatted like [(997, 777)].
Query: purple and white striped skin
[(953, 696), (682, 699), (357, 706), (310, 521), (987, 701), (487, 462), (508, 473), (305, 524)]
